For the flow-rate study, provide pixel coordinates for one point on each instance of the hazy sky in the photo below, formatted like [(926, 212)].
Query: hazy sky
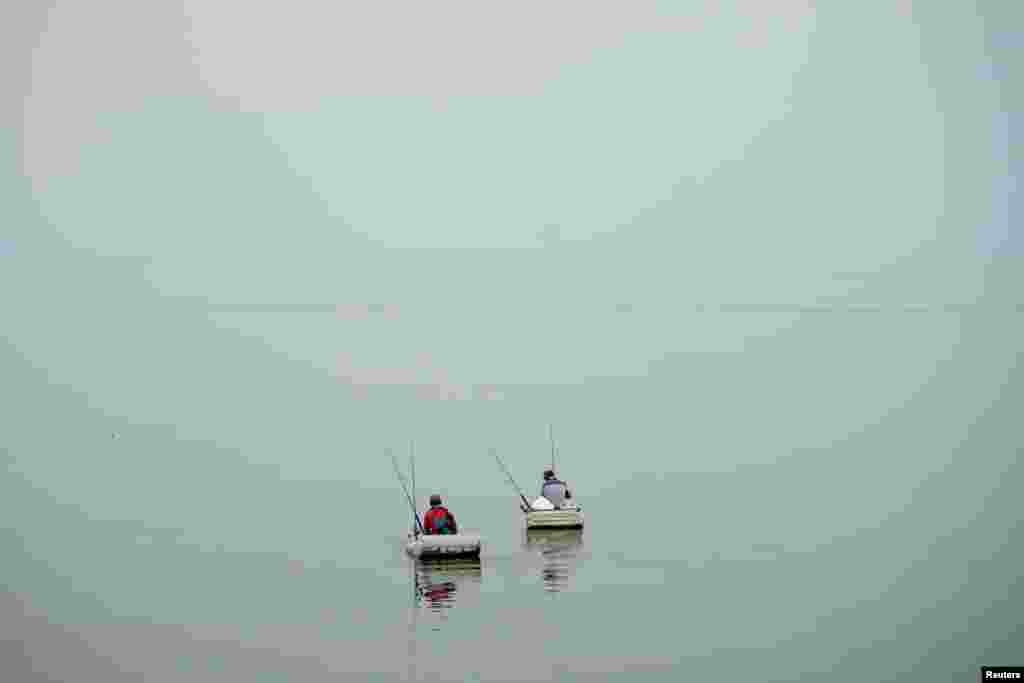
[(500, 177)]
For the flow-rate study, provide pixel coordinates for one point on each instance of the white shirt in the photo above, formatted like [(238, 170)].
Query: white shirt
[(554, 491)]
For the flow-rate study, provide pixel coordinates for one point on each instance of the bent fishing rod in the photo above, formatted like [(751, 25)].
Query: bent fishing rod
[(525, 507), (405, 490)]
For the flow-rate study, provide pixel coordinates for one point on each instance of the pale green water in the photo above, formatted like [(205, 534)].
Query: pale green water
[(784, 513), (214, 300)]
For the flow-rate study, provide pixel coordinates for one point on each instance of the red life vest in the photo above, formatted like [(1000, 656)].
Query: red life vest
[(439, 521)]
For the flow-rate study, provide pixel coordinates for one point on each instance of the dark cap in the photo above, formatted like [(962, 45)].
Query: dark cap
[(435, 499), (549, 474)]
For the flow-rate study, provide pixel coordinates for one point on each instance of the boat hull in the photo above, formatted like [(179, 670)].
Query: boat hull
[(554, 519), (450, 546)]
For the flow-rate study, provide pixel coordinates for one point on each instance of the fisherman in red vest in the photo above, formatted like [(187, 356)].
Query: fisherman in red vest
[(438, 520)]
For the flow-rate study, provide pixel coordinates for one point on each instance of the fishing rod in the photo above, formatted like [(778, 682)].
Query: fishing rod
[(551, 437), (401, 480), (412, 469), (525, 507)]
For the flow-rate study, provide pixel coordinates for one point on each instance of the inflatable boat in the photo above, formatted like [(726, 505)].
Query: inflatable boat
[(543, 515), (430, 546)]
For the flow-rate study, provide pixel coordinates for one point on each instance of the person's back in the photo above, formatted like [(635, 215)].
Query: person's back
[(438, 519), (554, 490)]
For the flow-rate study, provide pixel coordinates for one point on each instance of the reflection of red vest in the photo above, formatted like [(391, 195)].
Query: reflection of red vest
[(439, 521)]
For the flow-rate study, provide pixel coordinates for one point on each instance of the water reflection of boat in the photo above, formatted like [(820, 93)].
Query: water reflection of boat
[(438, 581), (558, 548)]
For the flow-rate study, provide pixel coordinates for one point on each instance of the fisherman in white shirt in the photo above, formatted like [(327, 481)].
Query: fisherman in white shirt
[(555, 490)]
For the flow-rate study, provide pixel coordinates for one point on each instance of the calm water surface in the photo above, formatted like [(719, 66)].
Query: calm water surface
[(679, 584)]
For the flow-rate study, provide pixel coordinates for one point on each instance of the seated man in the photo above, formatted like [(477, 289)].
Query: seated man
[(438, 520), (554, 490)]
